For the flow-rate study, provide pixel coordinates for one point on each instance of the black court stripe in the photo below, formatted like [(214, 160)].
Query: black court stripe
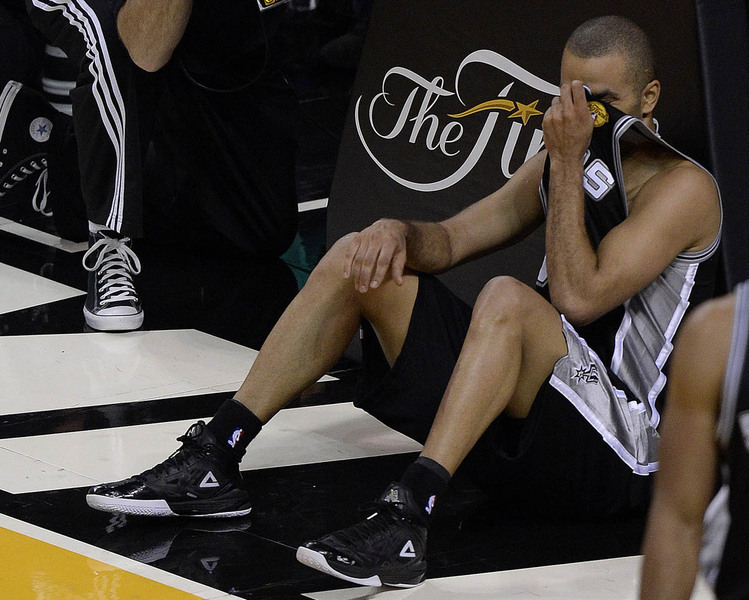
[(163, 410)]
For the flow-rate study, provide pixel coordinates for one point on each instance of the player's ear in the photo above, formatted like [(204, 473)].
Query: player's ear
[(649, 97)]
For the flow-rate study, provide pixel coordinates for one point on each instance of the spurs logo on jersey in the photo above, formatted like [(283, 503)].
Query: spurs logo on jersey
[(587, 374), (597, 179)]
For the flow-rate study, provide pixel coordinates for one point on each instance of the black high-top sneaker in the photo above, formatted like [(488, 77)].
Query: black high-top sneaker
[(26, 120), (112, 303), (388, 548), (201, 479)]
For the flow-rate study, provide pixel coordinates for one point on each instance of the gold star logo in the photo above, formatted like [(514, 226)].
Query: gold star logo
[(525, 111)]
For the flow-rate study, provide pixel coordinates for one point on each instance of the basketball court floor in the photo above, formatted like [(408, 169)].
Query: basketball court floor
[(79, 407)]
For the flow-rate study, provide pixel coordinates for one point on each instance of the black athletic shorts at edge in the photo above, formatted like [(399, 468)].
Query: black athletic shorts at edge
[(552, 462)]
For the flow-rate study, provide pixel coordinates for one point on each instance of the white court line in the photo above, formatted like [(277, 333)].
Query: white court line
[(610, 579), (20, 289), (115, 560), (50, 372)]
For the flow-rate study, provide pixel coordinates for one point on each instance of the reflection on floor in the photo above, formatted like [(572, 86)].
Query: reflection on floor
[(79, 407)]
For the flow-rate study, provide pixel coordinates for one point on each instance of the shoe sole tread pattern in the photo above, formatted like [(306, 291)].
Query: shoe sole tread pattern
[(152, 508), (317, 561)]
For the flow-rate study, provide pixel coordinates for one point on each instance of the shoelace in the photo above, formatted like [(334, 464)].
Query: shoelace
[(175, 462), (115, 265), (372, 525), (39, 204)]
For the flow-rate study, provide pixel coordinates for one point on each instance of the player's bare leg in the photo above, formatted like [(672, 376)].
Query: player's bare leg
[(202, 478), (514, 339), (316, 328)]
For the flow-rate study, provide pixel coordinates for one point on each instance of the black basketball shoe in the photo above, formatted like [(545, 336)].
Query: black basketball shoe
[(201, 479), (112, 303), (26, 120), (388, 548)]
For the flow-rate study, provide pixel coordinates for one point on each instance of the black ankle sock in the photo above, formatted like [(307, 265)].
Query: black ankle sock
[(235, 425), (427, 480)]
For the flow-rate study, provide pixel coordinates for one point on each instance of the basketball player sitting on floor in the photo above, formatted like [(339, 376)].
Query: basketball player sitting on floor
[(553, 398)]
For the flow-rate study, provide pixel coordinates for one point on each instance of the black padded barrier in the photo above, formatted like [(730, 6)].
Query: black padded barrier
[(449, 98), (724, 51)]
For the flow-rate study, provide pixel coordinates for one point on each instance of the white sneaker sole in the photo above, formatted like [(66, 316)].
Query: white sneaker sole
[(317, 561), (149, 508), (113, 322)]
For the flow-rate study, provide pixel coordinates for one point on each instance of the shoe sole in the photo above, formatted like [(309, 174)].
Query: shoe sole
[(317, 561), (151, 508), (113, 322)]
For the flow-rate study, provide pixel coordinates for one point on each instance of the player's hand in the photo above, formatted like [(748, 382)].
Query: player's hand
[(376, 253), (567, 124)]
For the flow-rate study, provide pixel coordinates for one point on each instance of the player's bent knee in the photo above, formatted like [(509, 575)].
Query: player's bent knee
[(332, 262), (503, 297)]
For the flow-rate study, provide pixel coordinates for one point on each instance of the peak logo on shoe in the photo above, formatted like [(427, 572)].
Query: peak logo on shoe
[(40, 129), (408, 550), (235, 437), (209, 481), (210, 563)]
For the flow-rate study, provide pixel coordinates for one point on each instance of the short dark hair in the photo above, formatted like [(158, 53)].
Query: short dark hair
[(612, 34)]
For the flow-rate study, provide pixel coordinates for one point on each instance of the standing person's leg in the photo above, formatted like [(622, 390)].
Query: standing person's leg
[(21, 49), (106, 129), (27, 152), (232, 173), (26, 119), (307, 340)]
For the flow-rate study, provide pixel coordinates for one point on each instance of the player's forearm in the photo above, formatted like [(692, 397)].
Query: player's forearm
[(670, 565), (570, 259), (151, 30), (428, 247)]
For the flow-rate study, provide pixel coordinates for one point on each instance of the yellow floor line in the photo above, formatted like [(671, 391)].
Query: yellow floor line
[(59, 568)]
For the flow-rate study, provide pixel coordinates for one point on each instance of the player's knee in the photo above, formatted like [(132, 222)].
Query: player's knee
[(502, 298), (330, 266)]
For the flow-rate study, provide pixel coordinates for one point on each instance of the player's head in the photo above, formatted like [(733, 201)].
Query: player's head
[(614, 58)]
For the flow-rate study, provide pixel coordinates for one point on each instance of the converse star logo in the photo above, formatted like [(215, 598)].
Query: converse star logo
[(209, 481), (408, 550), (40, 128)]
